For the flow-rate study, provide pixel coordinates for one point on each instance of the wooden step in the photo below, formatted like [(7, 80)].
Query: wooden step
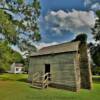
[(37, 87), (40, 84), (37, 84)]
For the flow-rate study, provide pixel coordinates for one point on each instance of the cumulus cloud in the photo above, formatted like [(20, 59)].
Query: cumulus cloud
[(92, 4), (76, 21), (95, 6), (87, 2)]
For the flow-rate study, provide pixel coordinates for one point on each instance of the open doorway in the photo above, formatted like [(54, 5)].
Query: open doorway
[(47, 70)]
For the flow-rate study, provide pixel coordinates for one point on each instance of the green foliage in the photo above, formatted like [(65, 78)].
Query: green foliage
[(37, 36), (96, 70), (19, 21), (96, 29), (20, 1), (95, 53), (98, 13), (6, 26), (8, 56), (95, 49)]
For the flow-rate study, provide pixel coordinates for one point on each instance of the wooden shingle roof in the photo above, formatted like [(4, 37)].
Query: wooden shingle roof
[(60, 48)]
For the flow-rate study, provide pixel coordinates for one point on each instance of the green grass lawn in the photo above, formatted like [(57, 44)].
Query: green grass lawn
[(15, 87)]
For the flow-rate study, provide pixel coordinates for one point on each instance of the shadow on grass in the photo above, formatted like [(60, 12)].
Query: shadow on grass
[(39, 88), (23, 80)]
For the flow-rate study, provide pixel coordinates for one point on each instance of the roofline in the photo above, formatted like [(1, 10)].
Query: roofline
[(42, 54), (60, 44), (52, 53)]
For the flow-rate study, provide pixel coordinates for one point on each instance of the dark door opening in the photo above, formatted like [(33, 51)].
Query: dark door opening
[(47, 70)]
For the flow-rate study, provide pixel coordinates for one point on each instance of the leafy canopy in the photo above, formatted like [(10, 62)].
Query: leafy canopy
[(95, 49), (96, 29), (19, 22), (8, 56)]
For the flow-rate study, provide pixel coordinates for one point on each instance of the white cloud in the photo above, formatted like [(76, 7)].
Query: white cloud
[(87, 2), (96, 6), (76, 21), (92, 4)]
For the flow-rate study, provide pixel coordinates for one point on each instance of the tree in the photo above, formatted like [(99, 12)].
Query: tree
[(19, 22), (8, 56), (95, 49), (96, 29), (95, 54)]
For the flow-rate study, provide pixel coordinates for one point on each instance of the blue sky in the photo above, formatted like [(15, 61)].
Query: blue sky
[(62, 20), (49, 5), (56, 5)]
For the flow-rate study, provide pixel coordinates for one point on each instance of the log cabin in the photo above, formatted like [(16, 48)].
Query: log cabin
[(67, 64)]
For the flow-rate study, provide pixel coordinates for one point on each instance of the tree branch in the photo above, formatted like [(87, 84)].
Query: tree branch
[(6, 9)]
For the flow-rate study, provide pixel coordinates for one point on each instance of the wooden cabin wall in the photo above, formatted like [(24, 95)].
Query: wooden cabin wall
[(86, 76), (35, 66), (77, 71), (62, 69)]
